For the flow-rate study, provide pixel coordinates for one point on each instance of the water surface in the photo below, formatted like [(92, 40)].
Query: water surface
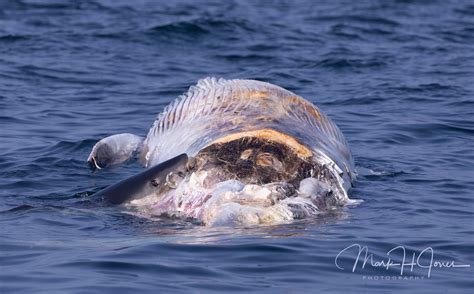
[(396, 76)]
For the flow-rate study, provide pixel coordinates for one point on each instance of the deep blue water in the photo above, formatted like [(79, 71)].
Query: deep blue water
[(396, 76)]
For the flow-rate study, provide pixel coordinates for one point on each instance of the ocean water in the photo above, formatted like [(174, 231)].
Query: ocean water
[(396, 76)]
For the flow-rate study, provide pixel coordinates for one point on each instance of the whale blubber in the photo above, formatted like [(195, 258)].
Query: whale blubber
[(272, 136)]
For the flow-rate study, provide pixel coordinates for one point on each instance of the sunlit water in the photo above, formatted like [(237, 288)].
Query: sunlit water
[(396, 76)]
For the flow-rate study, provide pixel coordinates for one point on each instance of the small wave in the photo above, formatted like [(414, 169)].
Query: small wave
[(464, 36), (13, 38), (69, 75), (344, 63), (245, 57), (62, 146), (362, 19), (433, 130), (466, 10), (360, 33), (184, 27), (433, 92), (57, 5), (18, 209), (200, 27), (364, 100)]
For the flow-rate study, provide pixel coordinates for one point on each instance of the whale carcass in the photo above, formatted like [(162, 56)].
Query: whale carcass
[(233, 151)]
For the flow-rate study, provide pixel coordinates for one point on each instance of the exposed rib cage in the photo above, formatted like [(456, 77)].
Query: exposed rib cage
[(202, 101)]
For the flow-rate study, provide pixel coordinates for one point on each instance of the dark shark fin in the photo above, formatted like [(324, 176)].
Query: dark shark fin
[(153, 180)]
